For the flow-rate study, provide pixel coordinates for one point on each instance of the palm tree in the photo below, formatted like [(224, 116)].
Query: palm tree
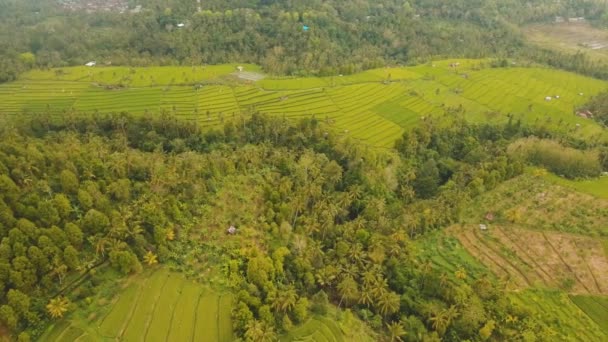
[(389, 303), (170, 235), (439, 322), (461, 273), (365, 297), (396, 331), (150, 258), (348, 290), (258, 331), (285, 300), (57, 307), (442, 320)]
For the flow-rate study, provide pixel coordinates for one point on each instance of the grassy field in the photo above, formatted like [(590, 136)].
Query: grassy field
[(538, 203), (596, 307), (596, 187), (154, 306), (570, 37), (374, 106), (564, 315)]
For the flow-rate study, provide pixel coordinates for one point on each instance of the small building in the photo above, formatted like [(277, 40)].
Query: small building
[(559, 19), (91, 64), (548, 98), (231, 230), (557, 96), (180, 25), (483, 227), (240, 68), (489, 216)]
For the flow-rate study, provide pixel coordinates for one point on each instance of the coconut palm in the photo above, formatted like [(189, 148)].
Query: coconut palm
[(388, 303), (285, 300), (57, 307), (396, 331), (150, 258), (348, 290)]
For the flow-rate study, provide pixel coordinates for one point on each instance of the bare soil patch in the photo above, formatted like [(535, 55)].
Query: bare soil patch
[(574, 263)]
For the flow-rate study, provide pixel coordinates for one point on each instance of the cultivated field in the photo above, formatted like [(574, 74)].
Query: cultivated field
[(317, 330), (538, 203), (446, 253), (375, 106), (559, 309), (161, 306), (570, 37), (529, 258), (595, 307)]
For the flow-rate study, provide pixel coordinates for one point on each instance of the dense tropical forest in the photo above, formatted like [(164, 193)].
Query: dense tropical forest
[(343, 37), (393, 171), (323, 221)]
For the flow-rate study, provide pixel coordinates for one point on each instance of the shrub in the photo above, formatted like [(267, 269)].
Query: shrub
[(564, 161)]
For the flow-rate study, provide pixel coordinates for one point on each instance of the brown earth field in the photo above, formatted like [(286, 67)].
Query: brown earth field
[(530, 258)]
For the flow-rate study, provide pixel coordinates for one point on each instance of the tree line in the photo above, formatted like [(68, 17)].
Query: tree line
[(343, 37)]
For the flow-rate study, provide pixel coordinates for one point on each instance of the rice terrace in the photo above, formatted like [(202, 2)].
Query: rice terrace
[(375, 106), (156, 306)]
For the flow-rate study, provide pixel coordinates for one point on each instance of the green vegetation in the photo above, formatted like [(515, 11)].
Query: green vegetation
[(363, 106), (316, 330), (597, 187), (564, 161), (320, 223), (156, 305), (256, 171), (569, 321), (540, 202), (594, 306), (344, 36)]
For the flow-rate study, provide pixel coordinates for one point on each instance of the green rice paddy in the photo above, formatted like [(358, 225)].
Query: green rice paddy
[(374, 106), (316, 329), (161, 306)]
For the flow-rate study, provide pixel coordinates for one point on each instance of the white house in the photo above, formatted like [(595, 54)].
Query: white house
[(91, 64)]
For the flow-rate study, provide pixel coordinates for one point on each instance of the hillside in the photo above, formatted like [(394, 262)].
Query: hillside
[(375, 106), (303, 171)]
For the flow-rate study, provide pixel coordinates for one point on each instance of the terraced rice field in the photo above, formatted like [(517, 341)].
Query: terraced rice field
[(562, 313), (375, 106), (162, 307), (316, 330), (527, 258)]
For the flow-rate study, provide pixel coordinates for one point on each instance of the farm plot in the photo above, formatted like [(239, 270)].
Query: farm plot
[(161, 306), (316, 329), (534, 202), (373, 107), (596, 307), (560, 310), (532, 258)]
